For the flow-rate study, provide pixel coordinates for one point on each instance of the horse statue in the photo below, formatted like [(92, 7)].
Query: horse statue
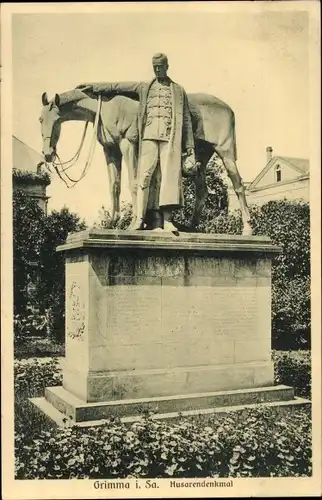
[(115, 128)]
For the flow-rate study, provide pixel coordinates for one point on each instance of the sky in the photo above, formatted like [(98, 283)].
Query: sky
[(255, 60)]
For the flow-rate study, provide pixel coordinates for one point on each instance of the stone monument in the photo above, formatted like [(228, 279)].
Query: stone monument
[(167, 323)]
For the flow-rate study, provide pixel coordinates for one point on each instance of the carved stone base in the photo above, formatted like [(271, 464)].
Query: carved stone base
[(155, 315), (60, 403), (131, 384)]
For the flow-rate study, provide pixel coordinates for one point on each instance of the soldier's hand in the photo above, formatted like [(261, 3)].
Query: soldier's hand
[(190, 166), (87, 87)]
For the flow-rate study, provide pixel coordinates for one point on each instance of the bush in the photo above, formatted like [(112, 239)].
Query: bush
[(104, 220), (293, 368), (31, 378), (287, 223), (291, 313), (256, 443), (38, 347), (30, 324)]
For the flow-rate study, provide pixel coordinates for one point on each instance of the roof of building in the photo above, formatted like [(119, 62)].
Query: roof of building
[(24, 157), (301, 163)]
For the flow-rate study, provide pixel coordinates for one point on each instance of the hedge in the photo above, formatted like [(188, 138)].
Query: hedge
[(294, 368), (32, 376), (28, 177)]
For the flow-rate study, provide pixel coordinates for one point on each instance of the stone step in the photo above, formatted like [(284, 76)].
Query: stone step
[(80, 411), (203, 414)]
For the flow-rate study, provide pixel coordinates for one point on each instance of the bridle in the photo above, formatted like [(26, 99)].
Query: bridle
[(61, 167)]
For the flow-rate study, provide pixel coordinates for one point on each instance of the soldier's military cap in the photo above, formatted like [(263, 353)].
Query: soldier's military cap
[(159, 59)]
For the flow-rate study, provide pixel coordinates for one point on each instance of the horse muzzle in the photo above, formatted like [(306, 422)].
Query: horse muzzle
[(49, 157)]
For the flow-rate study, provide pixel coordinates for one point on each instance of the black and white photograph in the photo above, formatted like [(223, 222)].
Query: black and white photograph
[(160, 249)]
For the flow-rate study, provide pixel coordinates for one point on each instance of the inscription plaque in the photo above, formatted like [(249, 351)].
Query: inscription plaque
[(76, 316)]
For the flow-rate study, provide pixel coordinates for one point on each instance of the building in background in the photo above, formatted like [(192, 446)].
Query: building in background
[(27, 173), (282, 178)]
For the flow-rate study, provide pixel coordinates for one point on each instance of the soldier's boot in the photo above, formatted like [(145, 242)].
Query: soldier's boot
[(168, 224), (141, 204)]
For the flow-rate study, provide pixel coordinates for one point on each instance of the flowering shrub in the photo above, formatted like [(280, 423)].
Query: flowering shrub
[(258, 444)]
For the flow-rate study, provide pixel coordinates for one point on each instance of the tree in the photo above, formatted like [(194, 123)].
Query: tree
[(287, 223), (36, 261), (28, 221), (51, 283)]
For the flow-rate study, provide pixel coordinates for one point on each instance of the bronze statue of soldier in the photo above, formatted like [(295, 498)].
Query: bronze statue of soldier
[(165, 141)]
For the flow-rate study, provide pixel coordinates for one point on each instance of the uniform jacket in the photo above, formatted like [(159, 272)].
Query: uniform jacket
[(181, 135)]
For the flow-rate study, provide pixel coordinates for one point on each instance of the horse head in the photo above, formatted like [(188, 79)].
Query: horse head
[(50, 126)]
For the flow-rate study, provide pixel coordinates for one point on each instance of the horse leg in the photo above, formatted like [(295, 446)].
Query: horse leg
[(201, 194), (239, 189), (203, 154), (113, 162), (128, 150)]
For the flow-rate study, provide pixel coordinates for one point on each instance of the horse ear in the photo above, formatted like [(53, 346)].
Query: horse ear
[(44, 99), (57, 100)]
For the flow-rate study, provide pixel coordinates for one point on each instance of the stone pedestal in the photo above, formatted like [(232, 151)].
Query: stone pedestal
[(153, 316)]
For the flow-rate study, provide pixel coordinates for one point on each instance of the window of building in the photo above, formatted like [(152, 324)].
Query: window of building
[(278, 173)]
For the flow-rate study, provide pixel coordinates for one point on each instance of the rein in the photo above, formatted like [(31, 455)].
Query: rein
[(74, 159), (70, 163)]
